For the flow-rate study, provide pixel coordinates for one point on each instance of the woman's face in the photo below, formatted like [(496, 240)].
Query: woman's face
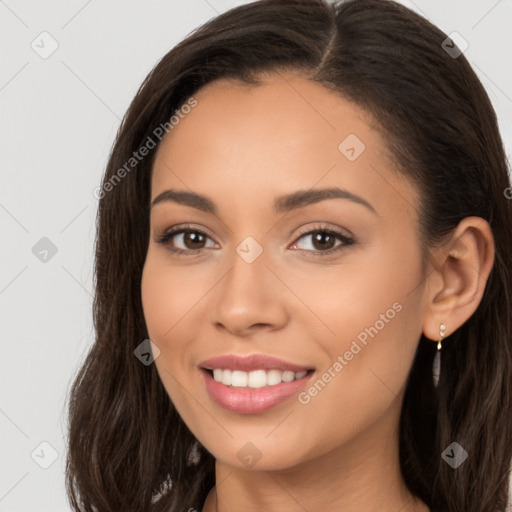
[(274, 267)]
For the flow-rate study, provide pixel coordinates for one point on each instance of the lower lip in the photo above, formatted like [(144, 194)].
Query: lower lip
[(252, 400)]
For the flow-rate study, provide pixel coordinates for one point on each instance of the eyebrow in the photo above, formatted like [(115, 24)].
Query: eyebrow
[(282, 204)]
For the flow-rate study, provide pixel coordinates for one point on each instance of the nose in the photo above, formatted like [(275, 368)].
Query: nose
[(250, 298)]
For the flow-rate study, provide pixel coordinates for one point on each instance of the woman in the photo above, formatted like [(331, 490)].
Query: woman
[(302, 276)]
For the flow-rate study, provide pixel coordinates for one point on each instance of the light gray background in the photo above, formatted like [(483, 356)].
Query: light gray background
[(59, 118)]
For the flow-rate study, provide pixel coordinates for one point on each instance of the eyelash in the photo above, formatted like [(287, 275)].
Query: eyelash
[(166, 236)]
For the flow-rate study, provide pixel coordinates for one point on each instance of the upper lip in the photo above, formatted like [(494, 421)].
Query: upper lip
[(251, 362)]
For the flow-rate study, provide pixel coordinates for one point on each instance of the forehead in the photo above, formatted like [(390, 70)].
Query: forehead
[(245, 142)]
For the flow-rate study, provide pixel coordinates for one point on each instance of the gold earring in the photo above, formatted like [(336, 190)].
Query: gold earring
[(436, 367)]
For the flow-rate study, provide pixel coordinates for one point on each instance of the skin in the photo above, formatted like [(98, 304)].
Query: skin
[(242, 146)]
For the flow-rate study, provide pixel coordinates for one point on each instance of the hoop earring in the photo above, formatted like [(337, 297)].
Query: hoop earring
[(436, 367)]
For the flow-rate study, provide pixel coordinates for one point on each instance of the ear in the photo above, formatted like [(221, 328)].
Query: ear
[(456, 285)]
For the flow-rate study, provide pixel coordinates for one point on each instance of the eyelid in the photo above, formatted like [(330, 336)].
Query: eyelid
[(319, 226)]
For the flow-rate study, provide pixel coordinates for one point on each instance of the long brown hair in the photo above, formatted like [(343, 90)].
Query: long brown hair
[(127, 442)]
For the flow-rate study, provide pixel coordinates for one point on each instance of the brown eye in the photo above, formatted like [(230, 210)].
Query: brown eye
[(191, 240), (323, 241)]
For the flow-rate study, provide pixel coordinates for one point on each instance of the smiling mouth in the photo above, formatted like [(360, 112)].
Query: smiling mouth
[(256, 378)]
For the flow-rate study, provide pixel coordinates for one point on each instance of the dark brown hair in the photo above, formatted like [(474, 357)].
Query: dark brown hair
[(126, 440)]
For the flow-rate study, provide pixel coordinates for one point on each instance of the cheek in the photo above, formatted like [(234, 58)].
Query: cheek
[(368, 360), (373, 309), (163, 303), (169, 295), (166, 298), (174, 301), (370, 295)]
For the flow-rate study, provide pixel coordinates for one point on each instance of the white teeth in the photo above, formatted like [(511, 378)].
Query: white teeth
[(288, 376), (256, 378), (226, 377), (274, 377), (239, 379)]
